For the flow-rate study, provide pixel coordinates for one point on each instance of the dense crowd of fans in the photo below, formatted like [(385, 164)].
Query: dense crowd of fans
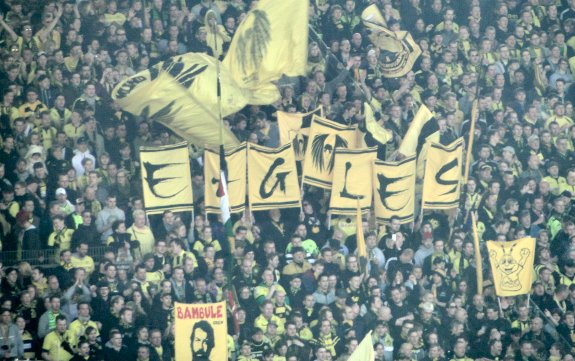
[(69, 178)]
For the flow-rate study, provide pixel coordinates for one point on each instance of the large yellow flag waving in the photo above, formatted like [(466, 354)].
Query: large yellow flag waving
[(325, 136), (181, 93), (294, 128), (236, 178), (269, 43), (272, 177), (166, 178), (364, 351), (512, 266), (421, 132), (394, 190), (351, 186), (443, 175)]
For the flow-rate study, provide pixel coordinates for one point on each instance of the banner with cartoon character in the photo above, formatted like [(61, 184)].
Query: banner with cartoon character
[(512, 266)]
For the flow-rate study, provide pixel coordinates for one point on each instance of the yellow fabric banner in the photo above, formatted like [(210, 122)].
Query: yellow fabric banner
[(273, 180), (350, 181), (398, 49), (270, 42), (181, 94), (442, 181), (325, 136), (294, 128), (201, 331), (236, 178), (512, 266), (419, 132), (166, 178), (394, 190), (364, 351), (378, 132)]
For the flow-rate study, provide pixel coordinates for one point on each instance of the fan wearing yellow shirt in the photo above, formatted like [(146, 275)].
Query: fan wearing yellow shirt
[(265, 291), (78, 327), (207, 240), (81, 258), (267, 316), (62, 236), (56, 346)]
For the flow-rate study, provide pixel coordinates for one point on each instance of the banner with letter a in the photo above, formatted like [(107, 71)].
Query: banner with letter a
[(394, 189), (442, 179), (294, 128), (512, 266), (272, 177), (166, 178), (201, 331), (236, 178), (351, 180), (325, 136)]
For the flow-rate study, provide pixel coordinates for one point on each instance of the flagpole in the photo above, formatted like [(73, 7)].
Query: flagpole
[(478, 261), (474, 116)]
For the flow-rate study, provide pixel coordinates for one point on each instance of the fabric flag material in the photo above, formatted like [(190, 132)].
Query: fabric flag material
[(394, 190), (181, 94), (512, 266), (350, 183), (421, 132), (398, 49), (364, 351), (325, 136), (442, 182), (201, 331), (270, 42), (224, 196), (294, 128), (361, 247), (273, 180), (166, 178), (378, 132), (235, 179)]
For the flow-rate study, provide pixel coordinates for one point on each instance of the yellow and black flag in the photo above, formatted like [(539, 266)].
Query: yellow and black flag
[(166, 178), (325, 136), (272, 177), (422, 130), (236, 178), (294, 128), (394, 190), (442, 180), (181, 94), (351, 185), (512, 266), (270, 42), (398, 49)]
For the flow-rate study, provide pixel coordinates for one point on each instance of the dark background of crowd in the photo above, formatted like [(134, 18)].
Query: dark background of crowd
[(90, 276)]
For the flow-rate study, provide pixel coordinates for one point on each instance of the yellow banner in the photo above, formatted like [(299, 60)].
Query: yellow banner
[(273, 181), (512, 266), (442, 181), (351, 185), (166, 178), (325, 136), (419, 132), (236, 178), (201, 331), (364, 351), (181, 94), (294, 128), (399, 50), (394, 190), (270, 42)]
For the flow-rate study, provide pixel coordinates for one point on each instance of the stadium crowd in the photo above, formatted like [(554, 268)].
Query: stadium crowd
[(88, 275)]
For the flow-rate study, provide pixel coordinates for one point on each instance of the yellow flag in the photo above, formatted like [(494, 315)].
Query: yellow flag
[(364, 351), (166, 178), (350, 181), (423, 128), (270, 42), (201, 331), (181, 94), (394, 190), (512, 266), (236, 179), (442, 182), (398, 50), (294, 128), (273, 181), (325, 136), (378, 132)]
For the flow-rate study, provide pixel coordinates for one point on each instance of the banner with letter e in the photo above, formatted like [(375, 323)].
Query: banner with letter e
[(201, 331)]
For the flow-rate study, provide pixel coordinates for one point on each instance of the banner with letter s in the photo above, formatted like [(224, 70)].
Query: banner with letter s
[(201, 331)]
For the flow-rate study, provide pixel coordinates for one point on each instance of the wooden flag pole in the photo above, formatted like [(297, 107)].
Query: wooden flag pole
[(478, 261)]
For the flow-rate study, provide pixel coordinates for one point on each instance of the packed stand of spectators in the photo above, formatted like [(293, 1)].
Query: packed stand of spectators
[(70, 188)]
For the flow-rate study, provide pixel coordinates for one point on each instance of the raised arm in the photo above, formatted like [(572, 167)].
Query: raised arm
[(8, 28)]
